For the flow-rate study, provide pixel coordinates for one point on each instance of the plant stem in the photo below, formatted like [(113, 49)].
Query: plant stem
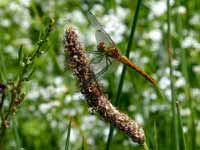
[(173, 98), (121, 82), (184, 67)]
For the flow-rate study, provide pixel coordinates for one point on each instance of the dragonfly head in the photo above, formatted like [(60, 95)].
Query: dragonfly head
[(101, 47)]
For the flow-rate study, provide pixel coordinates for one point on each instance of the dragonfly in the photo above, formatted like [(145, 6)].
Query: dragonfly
[(107, 47)]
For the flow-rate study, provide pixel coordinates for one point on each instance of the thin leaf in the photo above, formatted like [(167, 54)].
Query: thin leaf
[(20, 55), (173, 95), (32, 70), (83, 144), (180, 128), (3, 68), (16, 134), (68, 136), (155, 137)]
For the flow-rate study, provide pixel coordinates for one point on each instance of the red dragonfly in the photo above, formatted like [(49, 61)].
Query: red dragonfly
[(107, 47)]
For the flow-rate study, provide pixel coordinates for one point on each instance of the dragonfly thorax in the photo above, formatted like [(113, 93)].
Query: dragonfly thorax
[(101, 47), (109, 51)]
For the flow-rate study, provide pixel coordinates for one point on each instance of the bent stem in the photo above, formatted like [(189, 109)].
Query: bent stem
[(79, 64)]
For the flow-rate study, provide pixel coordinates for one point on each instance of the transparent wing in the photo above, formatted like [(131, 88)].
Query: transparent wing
[(101, 35), (93, 20)]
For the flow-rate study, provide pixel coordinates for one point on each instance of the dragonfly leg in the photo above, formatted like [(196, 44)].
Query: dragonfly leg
[(97, 59), (108, 62), (94, 52), (101, 72)]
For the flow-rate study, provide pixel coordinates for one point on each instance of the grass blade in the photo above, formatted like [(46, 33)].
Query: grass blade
[(121, 82), (3, 68), (180, 128), (83, 144), (155, 137), (20, 55), (173, 97), (68, 136), (187, 89), (16, 133)]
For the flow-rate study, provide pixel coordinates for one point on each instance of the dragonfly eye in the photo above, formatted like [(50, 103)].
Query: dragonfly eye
[(101, 46)]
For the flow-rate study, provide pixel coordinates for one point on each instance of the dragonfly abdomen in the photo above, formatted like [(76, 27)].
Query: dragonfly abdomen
[(126, 61)]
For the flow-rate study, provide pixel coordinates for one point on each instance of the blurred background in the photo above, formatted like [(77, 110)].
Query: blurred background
[(52, 96)]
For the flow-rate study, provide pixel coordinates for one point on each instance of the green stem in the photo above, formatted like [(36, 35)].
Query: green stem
[(184, 67), (173, 98), (121, 82), (145, 146)]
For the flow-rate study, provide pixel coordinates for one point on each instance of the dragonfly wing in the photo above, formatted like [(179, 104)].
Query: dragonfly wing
[(102, 36), (97, 59), (93, 20)]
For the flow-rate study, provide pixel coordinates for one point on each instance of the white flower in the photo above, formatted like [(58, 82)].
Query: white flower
[(185, 112), (196, 69), (60, 89), (104, 83), (180, 82), (164, 82), (58, 80), (74, 135), (198, 125), (114, 27), (144, 60), (195, 19), (26, 3), (33, 94), (122, 12), (68, 98), (13, 6), (196, 92), (44, 107), (77, 96), (119, 70), (158, 107), (26, 42), (5, 22), (78, 17), (69, 112), (185, 129), (25, 24), (154, 35), (97, 8), (11, 50), (158, 8), (88, 122), (181, 97), (168, 94), (53, 123), (175, 62), (149, 94), (139, 118), (190, 42), (180, 10), (131, 108)]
